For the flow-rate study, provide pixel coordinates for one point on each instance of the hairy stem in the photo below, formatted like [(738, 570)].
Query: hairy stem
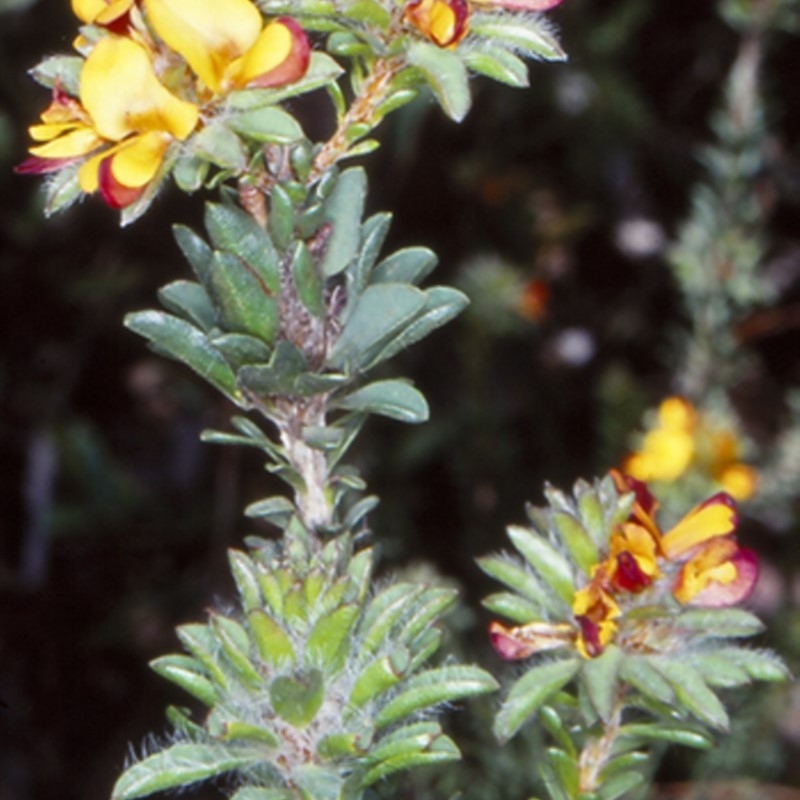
[(374, 91), (311, 497), (597, 752)]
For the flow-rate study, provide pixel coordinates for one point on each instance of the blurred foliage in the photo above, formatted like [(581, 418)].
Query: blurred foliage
[(114, 518)]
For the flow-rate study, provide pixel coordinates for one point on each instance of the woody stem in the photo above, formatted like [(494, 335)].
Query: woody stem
[(597, 752)]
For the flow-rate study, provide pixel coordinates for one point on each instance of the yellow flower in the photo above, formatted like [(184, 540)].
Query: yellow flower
[(737, 479), (596, 613), (444, 22), (667, 450), (227, 45), (125, 122)]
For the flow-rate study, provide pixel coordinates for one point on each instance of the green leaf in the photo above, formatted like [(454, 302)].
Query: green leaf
[(316, 782), (245, 305), (531, 35), (272, 643), (564, 769), (241, 350), (236, 646), (380, 312), (554, 568), (643, 676), (259, 793), (373, 235), (620, 784), (440, 749), (441, 305), (434, 686), (368, 12), (62, 190), (580, 545), (428, 608), (600, 676), (343, 211), (718, 670), (234, 231), (532, 691), (665, 731), (65, 70), (298, 697), (379, 676), (590, 509), (409, 265), (195, 250), (281, 217), (511, 572), (394, 398), (329, 638), (186, 672), (179, 765), (307, 280), (692, 692), (500, 65), (267, 124), (554, 725), (385, 610), (190, 173), (512, 606), (761, 665), (719, 622), (279, 376), (446, 75), (183, 342), (190, 301), (218, 144), (244, 575)]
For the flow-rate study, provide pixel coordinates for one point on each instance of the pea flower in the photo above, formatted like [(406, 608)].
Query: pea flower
[(121, 129), (444, 22), (227, 44), (696, 563), (685, 440)]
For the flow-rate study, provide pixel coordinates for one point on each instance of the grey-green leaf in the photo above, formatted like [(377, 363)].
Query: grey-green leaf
[(179, 765), (446, 75), (379, 313), (343, 211), (395, 398), (184, 342), (530, 692)]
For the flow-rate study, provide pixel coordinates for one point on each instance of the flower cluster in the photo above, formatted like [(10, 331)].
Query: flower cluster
[(683, 440), (696, 563), (153, 73)]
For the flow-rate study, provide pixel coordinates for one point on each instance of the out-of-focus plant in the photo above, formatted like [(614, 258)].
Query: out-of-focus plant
[(695, 442)]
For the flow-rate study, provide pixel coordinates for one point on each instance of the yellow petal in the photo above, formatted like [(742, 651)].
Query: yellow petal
[(272, 47), (739, 481), (677, 414), (78, 143), (136, 163), (209, 34), (122, 94), (714, 518), (88, 10)]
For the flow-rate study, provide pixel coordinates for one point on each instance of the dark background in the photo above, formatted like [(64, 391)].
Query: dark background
[(114, 519)]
